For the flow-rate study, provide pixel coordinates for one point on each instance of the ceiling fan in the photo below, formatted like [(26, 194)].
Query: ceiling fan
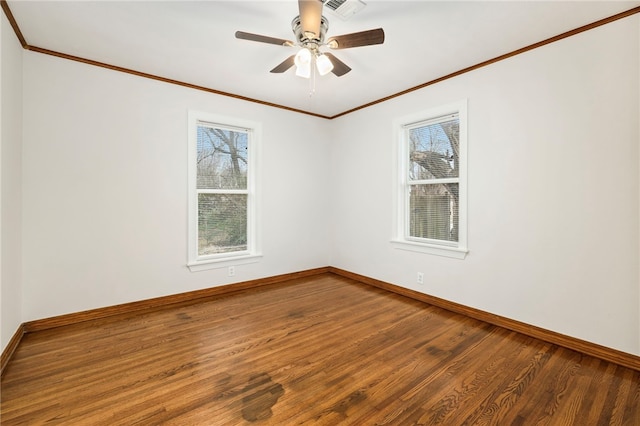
[(310, 28)]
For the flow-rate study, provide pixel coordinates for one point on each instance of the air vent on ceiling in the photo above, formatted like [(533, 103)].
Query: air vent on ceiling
[(345, 8)]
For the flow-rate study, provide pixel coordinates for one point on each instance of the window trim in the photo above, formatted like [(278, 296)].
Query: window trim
[(401, 240), (252, 254)]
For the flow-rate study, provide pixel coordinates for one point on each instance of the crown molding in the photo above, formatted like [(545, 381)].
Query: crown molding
[(596, 24)]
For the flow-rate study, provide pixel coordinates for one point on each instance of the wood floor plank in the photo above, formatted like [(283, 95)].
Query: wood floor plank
[(319, 350), (454, 395)]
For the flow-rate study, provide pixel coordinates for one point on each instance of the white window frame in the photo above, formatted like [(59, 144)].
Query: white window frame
[(252, 254), (401, 239)]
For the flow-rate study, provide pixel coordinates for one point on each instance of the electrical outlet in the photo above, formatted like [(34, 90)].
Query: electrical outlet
[(420, 278), (231, 271)]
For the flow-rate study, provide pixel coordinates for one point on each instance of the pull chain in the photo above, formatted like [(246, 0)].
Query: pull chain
[(312, 82)]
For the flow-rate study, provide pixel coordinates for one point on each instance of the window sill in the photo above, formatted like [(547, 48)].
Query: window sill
[(452, 252), (203, 265)]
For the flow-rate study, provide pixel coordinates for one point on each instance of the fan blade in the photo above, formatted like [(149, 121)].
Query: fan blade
[(363, 38), (263, 39), (310, 17), (339, 67), (284, 65)]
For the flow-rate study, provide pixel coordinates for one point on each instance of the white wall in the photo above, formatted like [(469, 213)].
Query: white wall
[(10, 178), (105, 188), (553, 189)]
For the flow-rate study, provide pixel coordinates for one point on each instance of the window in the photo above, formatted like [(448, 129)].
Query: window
[(431, 199), (223, 200)]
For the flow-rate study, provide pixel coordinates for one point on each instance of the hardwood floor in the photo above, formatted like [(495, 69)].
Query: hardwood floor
[(320, 350)]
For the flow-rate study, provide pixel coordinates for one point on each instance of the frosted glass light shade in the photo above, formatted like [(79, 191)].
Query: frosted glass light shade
[(324, 65), (303, 63)]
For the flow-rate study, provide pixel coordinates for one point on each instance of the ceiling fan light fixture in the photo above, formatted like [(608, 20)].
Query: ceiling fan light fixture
[(310, 29), (303, 63), (324, 64)]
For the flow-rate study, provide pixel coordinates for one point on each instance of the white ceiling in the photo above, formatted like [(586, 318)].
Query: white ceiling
[(193, 41)]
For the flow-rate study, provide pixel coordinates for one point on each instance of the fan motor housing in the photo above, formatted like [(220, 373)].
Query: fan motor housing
[(302, 38)]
